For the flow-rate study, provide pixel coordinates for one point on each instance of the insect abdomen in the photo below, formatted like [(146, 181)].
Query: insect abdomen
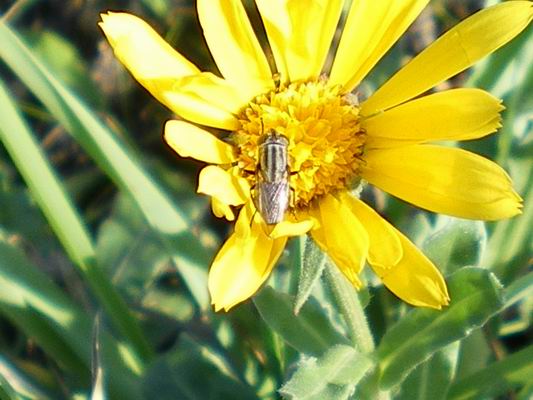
[(273, 159)]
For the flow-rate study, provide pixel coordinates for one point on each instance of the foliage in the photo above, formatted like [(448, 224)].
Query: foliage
[(104, 246)]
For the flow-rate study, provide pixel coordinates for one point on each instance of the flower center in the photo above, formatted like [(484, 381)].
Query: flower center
[(325, 140)]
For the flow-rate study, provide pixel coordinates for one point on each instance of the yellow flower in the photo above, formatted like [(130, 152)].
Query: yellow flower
[(333, 141)]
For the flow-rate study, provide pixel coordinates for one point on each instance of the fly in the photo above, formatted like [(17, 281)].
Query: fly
[(272, 177)]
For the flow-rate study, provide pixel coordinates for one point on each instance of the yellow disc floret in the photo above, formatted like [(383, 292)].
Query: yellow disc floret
[(325, 138)]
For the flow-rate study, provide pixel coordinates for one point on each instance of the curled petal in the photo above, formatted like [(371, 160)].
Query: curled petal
[(458, 114), (455, 51), (288, 228), (242, 265), (224, 186), (190, 141), (221, 210), (444, 180)]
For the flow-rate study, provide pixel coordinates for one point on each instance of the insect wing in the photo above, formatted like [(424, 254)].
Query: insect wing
[(273, 200)]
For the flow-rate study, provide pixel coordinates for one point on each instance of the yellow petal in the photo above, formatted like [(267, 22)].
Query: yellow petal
[(221, 184), (206, 90), (216, 91), (300, 34), (444, 180), (342, 236), (221, 210), (142, 51), (372, 27), (288, 228), (385, 248), (400, 265), (190, 141), (243, 225), (198, 110), (162, 70), (414, 279), (242, 265), (232, 42), (456, 50), (458, 114)]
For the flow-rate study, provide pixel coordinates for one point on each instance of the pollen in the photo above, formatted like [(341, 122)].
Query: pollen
[(325, 138)]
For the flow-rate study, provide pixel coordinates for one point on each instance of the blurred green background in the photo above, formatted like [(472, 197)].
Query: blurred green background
[(105, 247)]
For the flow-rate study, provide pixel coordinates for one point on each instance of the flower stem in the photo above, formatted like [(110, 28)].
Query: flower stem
[(351, 309)]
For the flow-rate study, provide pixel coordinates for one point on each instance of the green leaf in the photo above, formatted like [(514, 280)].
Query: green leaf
[(236, 330), (313, 263), (187, 372), (6, 391), (339, 366), (475, 296), (133, 254), (56, 205), (33, 303), (63, 59), (20, 216), (309, 332), (39, 309), (368, 388), (98, 391), (526, 393), (30, 379), (511, 372), (350, 306), (474, 354), (115, 158), (456, 243), (520, 289), (116, 371), (510, 242), (43, 182), (432, 378)]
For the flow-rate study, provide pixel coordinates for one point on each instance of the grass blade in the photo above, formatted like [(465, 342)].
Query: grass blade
[(40, 310), (37, 307), (14, 385), (53, 200), (511, 372), (114, 158), (520, 289)]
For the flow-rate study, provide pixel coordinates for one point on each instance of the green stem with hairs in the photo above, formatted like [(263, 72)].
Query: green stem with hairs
[(351, 309), (349, 305)]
